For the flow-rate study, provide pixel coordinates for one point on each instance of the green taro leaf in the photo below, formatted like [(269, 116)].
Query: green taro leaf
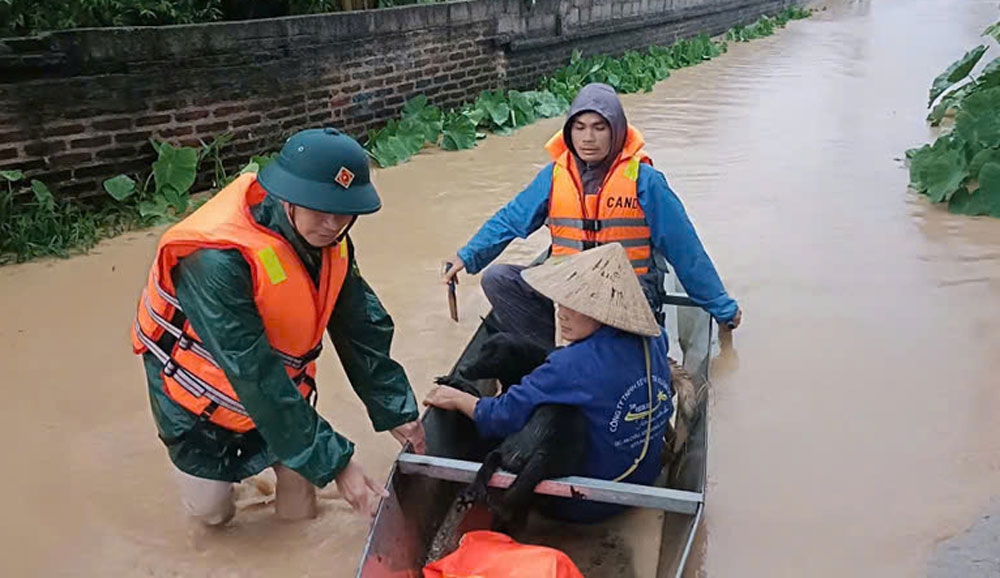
[(546, 104), (175, 168), (120, 187), (989, 186), (938, 170), (154, 209), (979, 120), (952, 100), (43, 196), (12, 176), (522, 109), (956, 71), (979, 161), (459, 132), (495, 108), (421, 118), (965, 203), (175, 199), (990, 76), (993, 30)]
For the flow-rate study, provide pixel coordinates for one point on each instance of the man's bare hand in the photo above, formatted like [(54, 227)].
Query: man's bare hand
[(412, 432), (447, 274), (735, 322), (360, 491), (452, 399)]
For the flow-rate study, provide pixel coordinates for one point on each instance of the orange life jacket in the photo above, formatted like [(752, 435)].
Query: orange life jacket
[(294, 310), (485, 554), (579, 222)]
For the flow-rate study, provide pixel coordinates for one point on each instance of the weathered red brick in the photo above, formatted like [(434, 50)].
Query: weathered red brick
[(44, 148), (174, 131), (319, 116), (190, 115), (112, 124), (246, 121), (118, 153), (132, 137), (101, 170), (212, 127), (70, 159), (63, 130), (152, 120), (11, 136), (90, 142), (224, 111), (171, 103)]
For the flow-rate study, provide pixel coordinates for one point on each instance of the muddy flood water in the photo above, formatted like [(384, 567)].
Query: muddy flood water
[(854, 422)]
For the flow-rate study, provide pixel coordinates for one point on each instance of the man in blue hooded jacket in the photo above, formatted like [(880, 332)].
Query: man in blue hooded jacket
[(595, 134)]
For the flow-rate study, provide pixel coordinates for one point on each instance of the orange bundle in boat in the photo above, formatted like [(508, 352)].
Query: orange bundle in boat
[(485, 554)]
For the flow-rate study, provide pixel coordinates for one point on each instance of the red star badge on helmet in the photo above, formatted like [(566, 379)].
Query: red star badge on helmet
[(344, 177)]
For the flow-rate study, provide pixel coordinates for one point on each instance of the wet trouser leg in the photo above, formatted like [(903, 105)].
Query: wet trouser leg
[(212, 503), (207, 501), (516, 306), (295, 496)]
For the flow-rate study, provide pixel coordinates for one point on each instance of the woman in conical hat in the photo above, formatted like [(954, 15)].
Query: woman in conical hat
[(614, 369)]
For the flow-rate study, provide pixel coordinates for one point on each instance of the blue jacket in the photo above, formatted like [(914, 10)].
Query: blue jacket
[(605, 376), (672, 233)]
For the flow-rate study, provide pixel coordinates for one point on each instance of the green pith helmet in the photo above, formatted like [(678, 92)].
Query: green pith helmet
[(324, 170)]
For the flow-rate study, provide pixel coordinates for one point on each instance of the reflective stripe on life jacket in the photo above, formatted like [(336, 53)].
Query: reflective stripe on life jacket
[(579, 222), (295, 312)]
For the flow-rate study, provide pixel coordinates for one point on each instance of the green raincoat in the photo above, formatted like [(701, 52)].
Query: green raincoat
[(215, 290)]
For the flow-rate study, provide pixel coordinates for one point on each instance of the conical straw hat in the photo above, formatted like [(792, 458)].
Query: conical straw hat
[(599, 283)]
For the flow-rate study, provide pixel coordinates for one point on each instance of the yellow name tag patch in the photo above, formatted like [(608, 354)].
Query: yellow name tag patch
[(272, 265)]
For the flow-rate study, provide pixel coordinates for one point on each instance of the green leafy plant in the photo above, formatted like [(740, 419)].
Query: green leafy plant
[(459, 131), (212, 151), (962, 166), (766, 26), (397, 141), (258, 162), (20, 17), (173, 174), (955, 72), (34, 222)]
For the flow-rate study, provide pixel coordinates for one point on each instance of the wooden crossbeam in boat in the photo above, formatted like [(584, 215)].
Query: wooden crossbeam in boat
[(591, 489)]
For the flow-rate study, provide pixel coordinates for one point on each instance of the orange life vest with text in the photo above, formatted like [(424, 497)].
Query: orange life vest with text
[(579, 222)]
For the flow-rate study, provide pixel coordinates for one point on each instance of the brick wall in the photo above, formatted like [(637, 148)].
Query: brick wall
[(615, 27), (77, 107)]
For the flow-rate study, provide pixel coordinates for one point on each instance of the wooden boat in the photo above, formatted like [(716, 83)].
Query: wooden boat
[(654, 538)]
